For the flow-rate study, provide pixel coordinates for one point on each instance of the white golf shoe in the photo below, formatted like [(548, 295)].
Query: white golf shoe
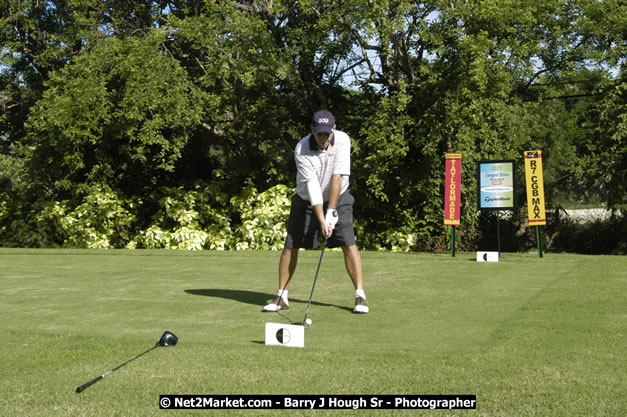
[(277, 304), (361, 306)]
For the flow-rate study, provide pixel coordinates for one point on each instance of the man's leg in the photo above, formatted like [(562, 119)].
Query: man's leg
[(287, 266), (352, 260)]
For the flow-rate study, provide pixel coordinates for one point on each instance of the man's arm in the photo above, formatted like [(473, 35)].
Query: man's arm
[(334, 191), (334, 196)]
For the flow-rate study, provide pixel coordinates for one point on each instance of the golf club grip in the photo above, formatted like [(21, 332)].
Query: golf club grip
[(87, 384)]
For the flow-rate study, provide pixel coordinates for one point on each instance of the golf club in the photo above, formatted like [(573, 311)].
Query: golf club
[(305, 322), (167, 339)]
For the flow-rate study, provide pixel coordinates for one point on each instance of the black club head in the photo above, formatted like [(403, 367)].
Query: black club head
[(168, 339)]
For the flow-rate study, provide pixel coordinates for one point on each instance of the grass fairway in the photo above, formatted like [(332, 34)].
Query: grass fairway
[(528, 336)]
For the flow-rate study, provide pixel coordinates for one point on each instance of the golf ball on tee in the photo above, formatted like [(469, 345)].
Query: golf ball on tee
[(308, 322)]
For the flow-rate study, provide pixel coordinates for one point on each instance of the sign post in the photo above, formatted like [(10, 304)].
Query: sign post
[(535, 194), (452, 194)]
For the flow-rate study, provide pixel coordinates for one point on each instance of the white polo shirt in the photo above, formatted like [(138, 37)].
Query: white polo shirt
[(314, 164)]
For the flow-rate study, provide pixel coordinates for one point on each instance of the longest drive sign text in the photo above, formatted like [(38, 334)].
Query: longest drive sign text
[(452, 189)]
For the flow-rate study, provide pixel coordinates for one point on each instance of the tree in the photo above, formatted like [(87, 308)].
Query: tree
[(120, 115), (171, 93)]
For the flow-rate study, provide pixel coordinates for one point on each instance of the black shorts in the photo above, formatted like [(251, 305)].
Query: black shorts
[(303, 229)]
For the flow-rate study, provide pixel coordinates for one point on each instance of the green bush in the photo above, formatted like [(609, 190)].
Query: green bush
[(263, 218), (201, 218), (12, 178), (598, 236), (198, 219), (30, 225), (187, 219), (204, 217), (100, 221)]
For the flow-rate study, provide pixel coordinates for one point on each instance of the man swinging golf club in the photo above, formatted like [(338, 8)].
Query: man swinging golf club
[(323, 167)]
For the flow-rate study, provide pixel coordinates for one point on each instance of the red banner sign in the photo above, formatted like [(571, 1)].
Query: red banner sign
[(453, 189)]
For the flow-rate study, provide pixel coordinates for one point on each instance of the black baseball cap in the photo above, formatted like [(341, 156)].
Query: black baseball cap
[(322, 121)]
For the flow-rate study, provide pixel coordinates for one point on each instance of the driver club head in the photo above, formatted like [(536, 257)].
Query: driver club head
[(168, 339)]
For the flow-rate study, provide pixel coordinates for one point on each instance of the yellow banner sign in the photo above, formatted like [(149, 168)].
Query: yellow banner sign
[(535, 188)]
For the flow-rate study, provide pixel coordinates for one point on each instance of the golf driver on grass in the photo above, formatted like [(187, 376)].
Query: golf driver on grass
[(167, 339)]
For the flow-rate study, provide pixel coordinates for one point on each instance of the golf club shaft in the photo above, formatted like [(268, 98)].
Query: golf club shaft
[(290, 278), (324, 245), (98, 378)]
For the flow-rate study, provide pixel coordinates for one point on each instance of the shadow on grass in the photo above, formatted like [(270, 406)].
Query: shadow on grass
[(252, 297)]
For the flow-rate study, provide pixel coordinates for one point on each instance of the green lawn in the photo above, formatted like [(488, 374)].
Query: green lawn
[(528, 336)]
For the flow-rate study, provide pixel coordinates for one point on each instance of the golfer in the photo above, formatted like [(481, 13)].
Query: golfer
[(322, 204)]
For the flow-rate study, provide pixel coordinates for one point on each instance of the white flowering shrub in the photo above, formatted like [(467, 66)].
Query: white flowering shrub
[(100, 221), (201, 218), (188, 238), (98, 218), (187, 220), (151, 238), (263, 218), (398, 241), (219, 235)]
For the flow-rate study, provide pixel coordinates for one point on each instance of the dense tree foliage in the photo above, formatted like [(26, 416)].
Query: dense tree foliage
[(133, 100)]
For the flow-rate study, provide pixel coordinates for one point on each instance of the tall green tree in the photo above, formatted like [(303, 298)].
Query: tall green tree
[(120, 115), (140, 95)]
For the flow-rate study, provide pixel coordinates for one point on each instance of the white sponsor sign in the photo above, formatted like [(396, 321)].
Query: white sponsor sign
[(279, 334)]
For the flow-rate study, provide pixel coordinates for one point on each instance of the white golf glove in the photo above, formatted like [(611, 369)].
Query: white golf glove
[(331, 218)]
